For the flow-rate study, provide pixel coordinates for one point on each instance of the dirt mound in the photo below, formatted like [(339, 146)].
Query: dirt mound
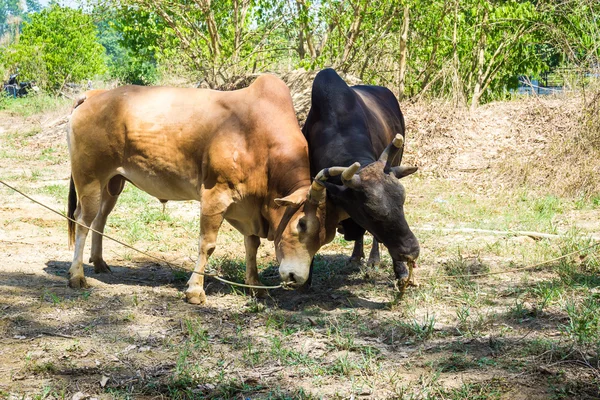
[(542, 143)]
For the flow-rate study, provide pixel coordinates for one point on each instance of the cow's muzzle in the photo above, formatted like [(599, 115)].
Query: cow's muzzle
[(292, 276)]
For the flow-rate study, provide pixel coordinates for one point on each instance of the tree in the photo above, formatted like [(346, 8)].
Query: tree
[(59, 45)]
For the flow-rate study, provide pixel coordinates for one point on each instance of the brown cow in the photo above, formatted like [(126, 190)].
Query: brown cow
[(240, 153)]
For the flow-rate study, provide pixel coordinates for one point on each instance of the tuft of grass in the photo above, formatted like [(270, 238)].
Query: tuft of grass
[(195, 333), (583, 327), (34, 104), (456, 363), (58, 192), (52, 297)]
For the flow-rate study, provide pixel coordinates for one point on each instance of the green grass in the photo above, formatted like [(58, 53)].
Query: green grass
[(58, 192), (34, 104), (583, 326)]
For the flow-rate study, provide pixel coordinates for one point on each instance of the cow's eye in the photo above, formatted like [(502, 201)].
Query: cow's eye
[(302, 225)]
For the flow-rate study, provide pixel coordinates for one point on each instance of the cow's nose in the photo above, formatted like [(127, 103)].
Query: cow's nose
[(291, 278)]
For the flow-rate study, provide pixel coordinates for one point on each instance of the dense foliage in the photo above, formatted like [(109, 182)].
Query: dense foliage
[(58, 45), (469, 51)]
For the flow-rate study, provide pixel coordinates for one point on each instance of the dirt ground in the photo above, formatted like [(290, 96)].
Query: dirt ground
[(132, 335)]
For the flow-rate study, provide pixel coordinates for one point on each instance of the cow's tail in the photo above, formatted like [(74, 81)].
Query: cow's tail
[(71, 211)]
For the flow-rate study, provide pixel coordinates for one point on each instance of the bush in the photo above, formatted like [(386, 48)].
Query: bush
[(59, 45)]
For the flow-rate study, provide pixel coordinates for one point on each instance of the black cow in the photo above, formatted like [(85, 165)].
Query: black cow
[(352, 127)]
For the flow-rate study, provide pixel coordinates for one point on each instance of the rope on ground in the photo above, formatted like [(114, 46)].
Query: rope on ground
[(517, 269), (171, 265), (531, 234)]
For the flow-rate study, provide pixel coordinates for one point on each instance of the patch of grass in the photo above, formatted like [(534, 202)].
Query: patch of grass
[(51, 156), (342, 366), (487, 390), (328, 268), (255, 306), (583, 326), (47, 367), (195, 333), (521, 311), (542, 348), (288, 356), (545, 208), (180, 275), (396, 331), (52, 297), (20, 138), (58, 192), (231, 269), (456, 363), (280, 321), (460, 265), (471, 322), (35, 104), (546, 292)]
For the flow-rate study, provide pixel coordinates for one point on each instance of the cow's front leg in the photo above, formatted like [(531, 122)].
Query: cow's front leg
[(374, 258), (358, 252), (252, 243), (209, 228)]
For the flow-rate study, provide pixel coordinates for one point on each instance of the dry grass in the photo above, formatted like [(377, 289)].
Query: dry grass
[(550, 144)]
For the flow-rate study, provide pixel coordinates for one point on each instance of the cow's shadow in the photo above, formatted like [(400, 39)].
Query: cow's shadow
[(333, 276), (142, 272)]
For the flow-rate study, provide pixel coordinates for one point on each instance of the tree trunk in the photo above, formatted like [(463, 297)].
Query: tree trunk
[(305, 35), (354, 31), (456, 85), (477, 92), (403, 52)]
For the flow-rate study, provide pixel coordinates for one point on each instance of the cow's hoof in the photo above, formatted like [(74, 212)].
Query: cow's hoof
[(78, 282), (355, 260), (196, 297), (373, 262), (100, 267)]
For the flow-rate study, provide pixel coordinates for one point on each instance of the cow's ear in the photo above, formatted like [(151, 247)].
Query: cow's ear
[(402, 171), (294, 200)]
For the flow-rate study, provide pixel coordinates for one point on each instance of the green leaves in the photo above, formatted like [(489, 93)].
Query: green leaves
[(59, 45)]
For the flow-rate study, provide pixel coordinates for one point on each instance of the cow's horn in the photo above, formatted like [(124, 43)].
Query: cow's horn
[(348, 178), (316, 192), (396, 148)]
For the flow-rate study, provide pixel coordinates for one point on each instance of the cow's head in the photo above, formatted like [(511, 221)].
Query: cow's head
[(300, 234), (374, 197)]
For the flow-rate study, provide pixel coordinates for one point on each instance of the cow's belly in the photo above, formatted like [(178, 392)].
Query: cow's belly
[(163, 186)]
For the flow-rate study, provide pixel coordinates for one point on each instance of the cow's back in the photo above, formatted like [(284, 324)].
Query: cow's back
[(348, 124), (190, 136)]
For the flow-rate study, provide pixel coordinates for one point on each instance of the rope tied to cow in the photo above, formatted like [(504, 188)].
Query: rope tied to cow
[(169, 264), (283, 285)]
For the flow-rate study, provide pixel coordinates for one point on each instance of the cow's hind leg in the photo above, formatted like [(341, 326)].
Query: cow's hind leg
[(110, 194), (87, 209), (374, 258), (252, 243), (353, 231), (358, 252)]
